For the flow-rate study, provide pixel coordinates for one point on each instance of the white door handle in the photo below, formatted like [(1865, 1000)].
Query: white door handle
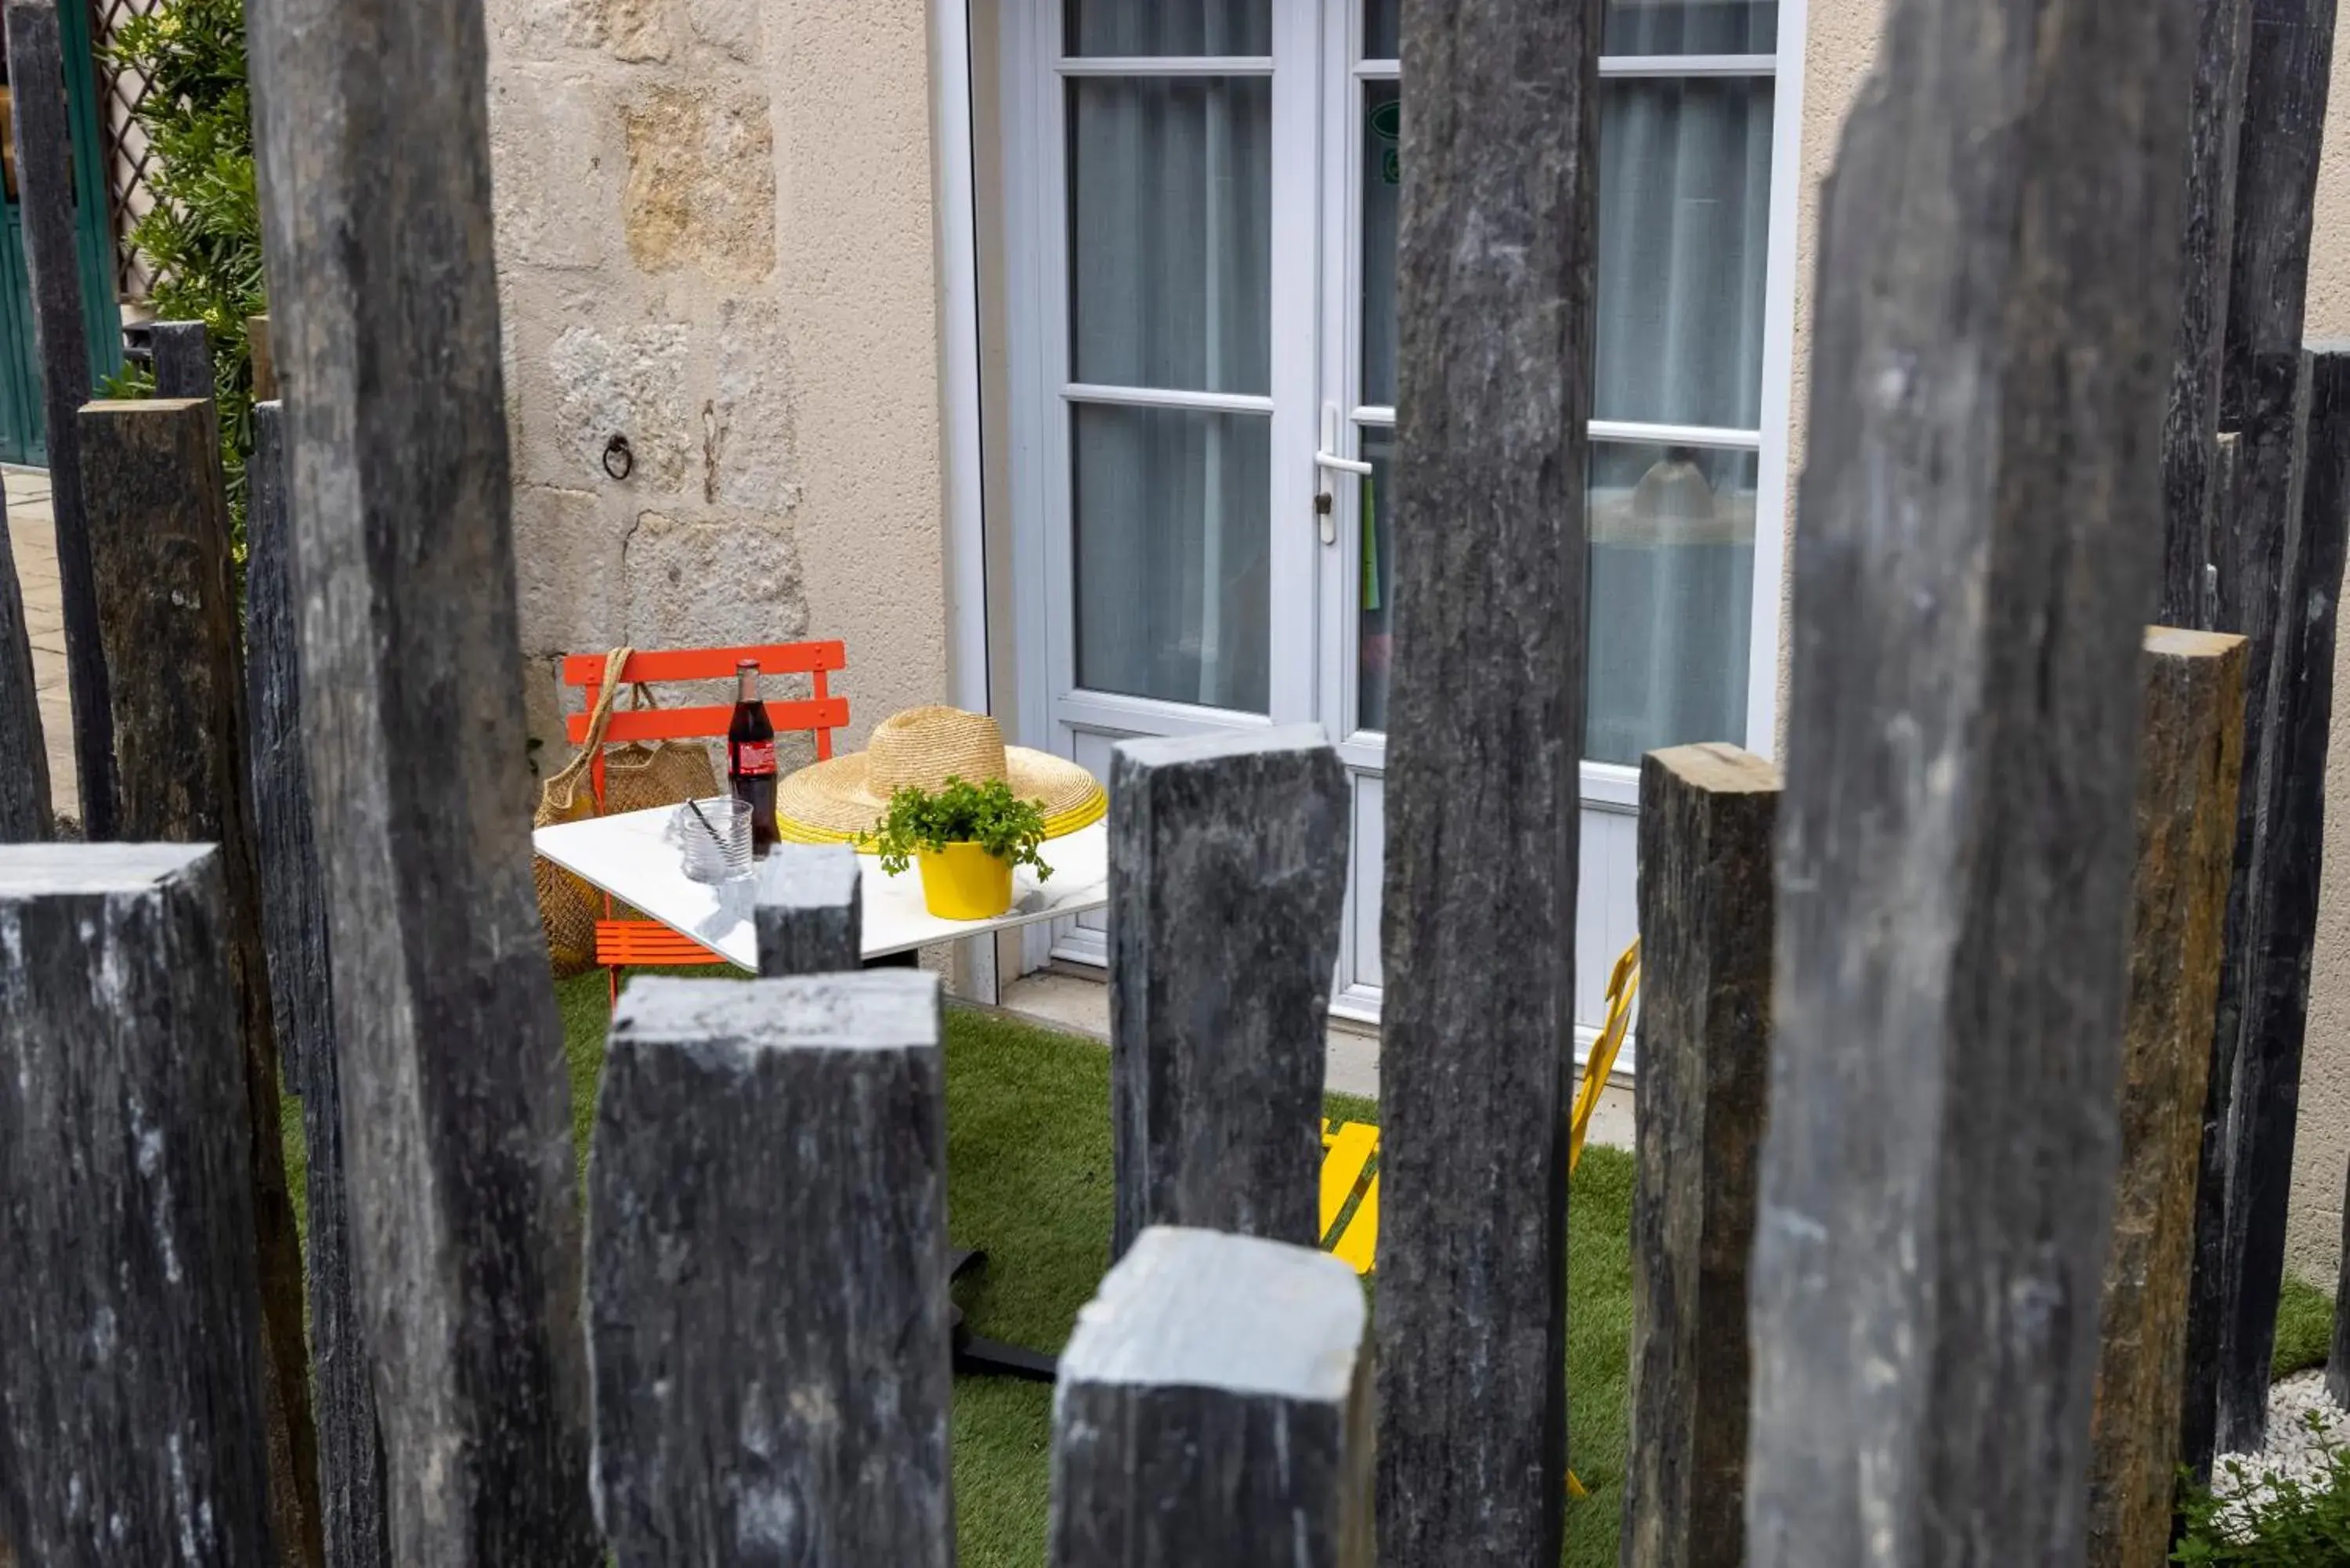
[(1327, 456)]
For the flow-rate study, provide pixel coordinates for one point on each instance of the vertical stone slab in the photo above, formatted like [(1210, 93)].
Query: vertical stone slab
[(2337, 1363), (2189, 766), (2198, 1397), (1213, 1408), (2282, 925), (1708, 815), (767, 1273), (265, 362), (184, 360), (294, 921), (811, 910), (162, 563), (371, 131), (1228, 878), (44, 185), (130, 1413), (1957, 842), (2223, 29), (1483, 785), (2263, 397)]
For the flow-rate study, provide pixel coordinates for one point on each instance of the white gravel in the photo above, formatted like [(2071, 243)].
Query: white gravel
[(2296, 1445)]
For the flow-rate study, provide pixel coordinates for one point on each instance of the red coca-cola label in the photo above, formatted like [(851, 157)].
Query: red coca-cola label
[(755, 758)]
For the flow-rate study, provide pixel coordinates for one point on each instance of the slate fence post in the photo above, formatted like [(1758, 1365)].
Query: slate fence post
[(1228, 876), (2192, 523), (44, 183), (184, 360), (2281, 926), (1956, 840), (1707, 819), (1494, 274), (294, 919), (2264, 399), (131, 1425), (810, 911), (1213, 1407), (372, 139), (2189, 768), (165, 577), (767, 1263)]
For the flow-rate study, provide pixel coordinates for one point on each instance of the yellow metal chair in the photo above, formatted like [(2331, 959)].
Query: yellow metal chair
[(1350, 1149)]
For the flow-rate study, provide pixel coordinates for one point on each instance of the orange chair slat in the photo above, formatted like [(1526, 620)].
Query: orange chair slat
[(642, 942), (823, 737), (711, 663), (707, 723)]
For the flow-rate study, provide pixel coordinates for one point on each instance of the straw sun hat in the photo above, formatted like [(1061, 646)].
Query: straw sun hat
[(831, 802)]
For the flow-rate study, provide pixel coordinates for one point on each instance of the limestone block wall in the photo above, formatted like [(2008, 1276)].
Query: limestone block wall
[(716, 242)]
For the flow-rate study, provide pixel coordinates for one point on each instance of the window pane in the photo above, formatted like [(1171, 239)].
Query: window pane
[(1171, 534), (1382, 183), (1672, 579), (1168, 26), (1373, 640), (1684, 235), (1691, 27), (1170, 250), (1632, 27)]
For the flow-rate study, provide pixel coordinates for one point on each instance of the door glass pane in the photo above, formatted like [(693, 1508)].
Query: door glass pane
[(1372, 641), (1382, 124), (1691, 27), (1171, 536), (1672, 580), (1684, 232), (1170, 248), (1632, 27), (1115, 28)]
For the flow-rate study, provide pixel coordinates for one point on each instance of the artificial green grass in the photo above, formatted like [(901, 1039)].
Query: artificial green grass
[(1028, 1179)]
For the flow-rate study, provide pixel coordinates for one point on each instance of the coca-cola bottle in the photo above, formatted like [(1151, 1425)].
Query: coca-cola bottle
[(750, 757)]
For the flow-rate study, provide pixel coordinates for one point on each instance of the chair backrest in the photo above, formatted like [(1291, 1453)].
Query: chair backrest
[(820, 713)]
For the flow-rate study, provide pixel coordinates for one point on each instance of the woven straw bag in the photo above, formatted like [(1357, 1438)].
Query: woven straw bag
[(637, 777)]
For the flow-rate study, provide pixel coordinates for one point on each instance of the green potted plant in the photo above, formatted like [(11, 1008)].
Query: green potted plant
[(966, 837)]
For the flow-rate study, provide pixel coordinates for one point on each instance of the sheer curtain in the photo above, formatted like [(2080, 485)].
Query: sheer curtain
[(1169, 268), (1684, 222)]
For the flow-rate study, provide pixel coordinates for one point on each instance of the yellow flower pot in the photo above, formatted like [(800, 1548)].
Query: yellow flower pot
[(964, 882)]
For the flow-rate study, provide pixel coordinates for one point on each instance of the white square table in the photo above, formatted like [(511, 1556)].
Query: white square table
[(635, 857)]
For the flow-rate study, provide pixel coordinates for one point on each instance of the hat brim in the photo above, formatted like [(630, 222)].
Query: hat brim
[(834, 802)]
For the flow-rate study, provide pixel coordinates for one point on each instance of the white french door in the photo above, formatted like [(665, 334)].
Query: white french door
[(1201, 205)]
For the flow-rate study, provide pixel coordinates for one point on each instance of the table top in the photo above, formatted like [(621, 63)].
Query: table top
[(635, 857)]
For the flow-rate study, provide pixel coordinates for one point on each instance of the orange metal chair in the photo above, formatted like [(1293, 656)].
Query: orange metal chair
[(623, 943)]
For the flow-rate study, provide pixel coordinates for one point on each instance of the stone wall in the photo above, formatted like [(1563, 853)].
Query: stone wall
[(716, 242)]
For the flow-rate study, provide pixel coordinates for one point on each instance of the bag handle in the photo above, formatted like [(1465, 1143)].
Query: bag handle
[(599, 719)]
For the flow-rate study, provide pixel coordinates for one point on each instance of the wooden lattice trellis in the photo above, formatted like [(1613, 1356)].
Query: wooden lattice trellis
[(128, 155)]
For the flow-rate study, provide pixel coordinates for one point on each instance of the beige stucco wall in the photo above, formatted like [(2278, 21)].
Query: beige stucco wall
[(715, 239), (2322, 1147), (1837, 53)]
